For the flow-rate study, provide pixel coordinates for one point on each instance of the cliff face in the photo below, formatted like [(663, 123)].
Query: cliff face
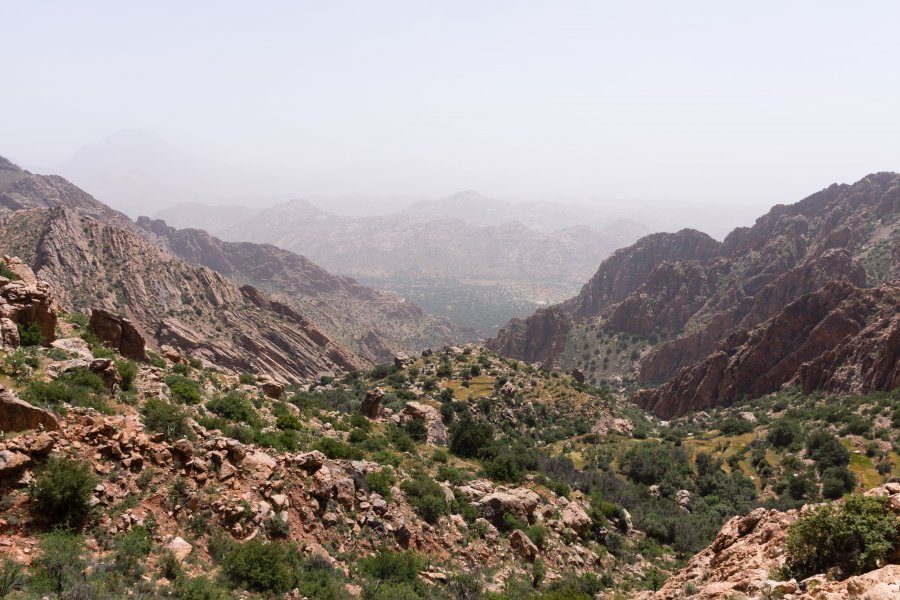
[(540, 337), (374, 324), (699, 295), (840, 338), (89, 264)]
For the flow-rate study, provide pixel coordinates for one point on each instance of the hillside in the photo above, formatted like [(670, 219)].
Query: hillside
[(371, 325), (89, 264), (670, 300), (375, 325), (474, 266)]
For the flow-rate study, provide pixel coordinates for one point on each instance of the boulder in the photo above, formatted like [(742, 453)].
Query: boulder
[(371, 405), (11, 463), (18, 415), (180, 548), (523, 546), (574, 517), (401, 361), (118, 333), (519, 502), (270, 387), (577, 375), (25, 302)]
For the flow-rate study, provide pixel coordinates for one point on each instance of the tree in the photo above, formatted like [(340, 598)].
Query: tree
[(62, 490), (468, 436)]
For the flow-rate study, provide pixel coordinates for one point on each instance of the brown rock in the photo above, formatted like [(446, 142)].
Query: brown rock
[(371, 405), (523, 546), (18, 415), (118, 333), (11, 463)]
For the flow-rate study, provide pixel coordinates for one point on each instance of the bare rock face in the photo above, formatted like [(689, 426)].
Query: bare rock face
[(540, 337), (371, 405), (197, 311), (749, 548), (18, 415), (840, 339), (118, 333), (24, 302)]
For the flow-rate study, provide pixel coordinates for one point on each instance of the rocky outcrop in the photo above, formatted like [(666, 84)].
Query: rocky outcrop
[(749, 549), (841, 338), (25, 302), (199, 312), (376, 325), (18, 415), (540, 337), (118, 333)]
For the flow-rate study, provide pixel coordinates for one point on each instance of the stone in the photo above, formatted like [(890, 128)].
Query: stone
[(577, 375), (401, 361), (575, 518), (309, 461), (520, 502), (118, 333), (11, 463), (371, 405), (18, 415), (180, 548), (270, 387), (523, 546), (345, 492)]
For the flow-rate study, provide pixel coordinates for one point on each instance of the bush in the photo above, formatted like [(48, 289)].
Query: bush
[(184, 389), (62, 490), (246, 379), (826, 450), (236, 407), (783, 433), (426, 496), (199, 588), (60, 564), (131, 550), (468, 437), (257, 566), (380, 482), (128, 370), (393, 567), (167, 419), (30, 335), (849, 539), (836, 481), (338, 450), (276, 527), (10, 576), (78, 387)]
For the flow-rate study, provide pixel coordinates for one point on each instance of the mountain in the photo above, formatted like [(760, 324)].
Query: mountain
[(453, 247), (317, 323), (89, 265), (671, 300), (22, 190), (375, 325), (135, 170)]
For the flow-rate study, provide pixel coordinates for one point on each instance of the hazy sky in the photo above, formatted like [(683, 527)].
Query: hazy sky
[(752, 102)]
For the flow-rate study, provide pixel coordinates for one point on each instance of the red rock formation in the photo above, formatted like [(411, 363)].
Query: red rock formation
[(24, 301), (840, 338), (118, 333), (540, 337)]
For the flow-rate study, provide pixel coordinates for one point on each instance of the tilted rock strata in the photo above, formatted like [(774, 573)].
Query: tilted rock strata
[(89, 264), (838, 339)]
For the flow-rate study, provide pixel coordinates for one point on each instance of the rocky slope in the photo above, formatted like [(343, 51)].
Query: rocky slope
[(375, 325), (90, 264), (686, 294), (749, 549), (840, 338)]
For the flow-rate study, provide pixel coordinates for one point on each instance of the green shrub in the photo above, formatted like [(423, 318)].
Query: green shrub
[(132, 549), (257, 566), (30, 335), (276, 527), (128, 370), (393, 567), (826, 450), (156, 360), (783, 433), (427, 497), (849, 539), (168, 419), (247, 379), (380, 482), (183, 389), (78, 387), (10, 577), (60, 564), (836, 481), (468, 436), (338, 450), (6, 272), (236, 407), (62, 490), (199, 588)]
